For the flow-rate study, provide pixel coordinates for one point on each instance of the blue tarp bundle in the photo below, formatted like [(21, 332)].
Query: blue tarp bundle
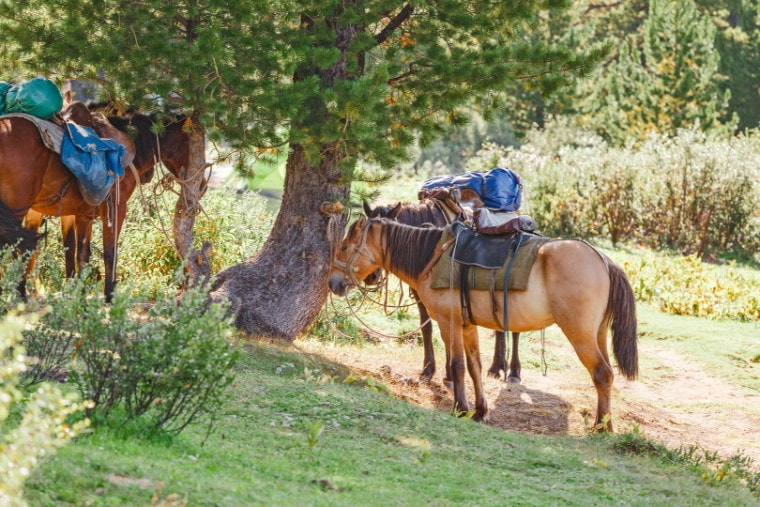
[(94, 161), (498, 188)]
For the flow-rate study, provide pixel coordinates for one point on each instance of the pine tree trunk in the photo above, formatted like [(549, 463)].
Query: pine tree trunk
[(281, 289)]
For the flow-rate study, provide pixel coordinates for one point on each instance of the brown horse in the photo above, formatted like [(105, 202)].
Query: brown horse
[(570, 284), (431, 212), (57, 193)]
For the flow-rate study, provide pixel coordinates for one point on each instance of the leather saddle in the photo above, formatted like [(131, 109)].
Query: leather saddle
[(474, 249)]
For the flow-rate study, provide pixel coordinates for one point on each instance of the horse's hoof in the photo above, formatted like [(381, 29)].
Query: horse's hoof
[(495, 373), (513, 380), (448, 384), (481, 417)]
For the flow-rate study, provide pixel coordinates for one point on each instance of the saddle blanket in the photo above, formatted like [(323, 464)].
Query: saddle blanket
[(51, 134), (95, 162), (446, 274)]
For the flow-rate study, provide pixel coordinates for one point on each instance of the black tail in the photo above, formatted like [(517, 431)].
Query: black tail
[(623, 321), (12, 233)]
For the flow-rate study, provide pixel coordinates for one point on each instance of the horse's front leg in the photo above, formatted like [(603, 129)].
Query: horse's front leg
[(428, 365), (472, 352), (32, 222), (113, 218), (452, 337)]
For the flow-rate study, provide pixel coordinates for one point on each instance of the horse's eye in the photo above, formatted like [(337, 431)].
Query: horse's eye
[(344, 248)]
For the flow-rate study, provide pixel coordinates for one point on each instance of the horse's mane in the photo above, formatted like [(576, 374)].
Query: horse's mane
[(407, 248), (425, 213)]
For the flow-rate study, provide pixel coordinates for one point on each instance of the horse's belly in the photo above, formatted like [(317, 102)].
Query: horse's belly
[(528, 310)]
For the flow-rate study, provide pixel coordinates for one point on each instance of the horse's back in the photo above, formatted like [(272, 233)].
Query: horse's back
[(568, 281)]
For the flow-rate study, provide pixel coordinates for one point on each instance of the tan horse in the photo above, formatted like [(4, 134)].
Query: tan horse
[(571, 284)]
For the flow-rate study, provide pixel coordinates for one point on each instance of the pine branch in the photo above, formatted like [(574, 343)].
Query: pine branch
[(402, 16)]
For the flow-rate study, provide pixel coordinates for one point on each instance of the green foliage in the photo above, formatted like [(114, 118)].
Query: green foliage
[(713, 470), (664, 78), (691, 193), (171, 365), (44, 423), (687, 286), (738, 42), (236, 224), (367, 78)]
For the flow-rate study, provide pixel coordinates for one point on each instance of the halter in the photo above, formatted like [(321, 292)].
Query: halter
[(347, 267)]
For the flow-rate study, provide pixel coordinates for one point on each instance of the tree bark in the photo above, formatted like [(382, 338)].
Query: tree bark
[(281, 289), (192, 187)]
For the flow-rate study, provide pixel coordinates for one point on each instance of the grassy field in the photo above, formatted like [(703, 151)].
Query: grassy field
[(299, 430), (304, 428)]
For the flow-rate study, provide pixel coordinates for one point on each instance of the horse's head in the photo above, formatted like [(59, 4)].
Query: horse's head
[(175, 148), (175, 145), (356, 259), (382, 211)]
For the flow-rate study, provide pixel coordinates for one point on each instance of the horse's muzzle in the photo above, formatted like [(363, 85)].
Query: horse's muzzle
[(338, 284)]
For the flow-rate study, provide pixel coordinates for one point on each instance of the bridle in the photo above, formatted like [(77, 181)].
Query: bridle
[(348, 267)]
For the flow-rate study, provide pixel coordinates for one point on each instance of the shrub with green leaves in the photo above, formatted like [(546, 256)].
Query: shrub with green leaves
[(43, 424), (236, 224), (691, 193), (170, 364)]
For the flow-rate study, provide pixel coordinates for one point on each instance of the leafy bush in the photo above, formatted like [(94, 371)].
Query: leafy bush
[(171, 364), (684, 285), (44, 421), (236, 224), (692, 193)]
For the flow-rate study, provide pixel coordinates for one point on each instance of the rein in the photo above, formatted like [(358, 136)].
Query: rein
[(348, 267), (349, 270)]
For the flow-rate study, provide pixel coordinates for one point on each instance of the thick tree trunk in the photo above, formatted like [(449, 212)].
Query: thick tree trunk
[(280, 290)]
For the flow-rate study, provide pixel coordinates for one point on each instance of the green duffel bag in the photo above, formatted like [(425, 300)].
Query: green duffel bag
[(3, 90), (39, 97)]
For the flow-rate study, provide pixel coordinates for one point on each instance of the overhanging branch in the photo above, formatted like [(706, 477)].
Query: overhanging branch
[(402, 16)]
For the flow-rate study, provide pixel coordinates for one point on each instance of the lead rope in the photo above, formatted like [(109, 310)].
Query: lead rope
[(543, 350)]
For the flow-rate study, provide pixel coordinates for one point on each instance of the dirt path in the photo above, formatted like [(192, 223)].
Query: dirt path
[(678, 405)]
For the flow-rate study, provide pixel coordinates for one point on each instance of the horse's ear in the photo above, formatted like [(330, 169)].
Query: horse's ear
[(361, 221), (393, 213), (367, 208)]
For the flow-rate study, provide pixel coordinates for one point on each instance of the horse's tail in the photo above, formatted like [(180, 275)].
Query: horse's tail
[(12, 233), (622, 309)]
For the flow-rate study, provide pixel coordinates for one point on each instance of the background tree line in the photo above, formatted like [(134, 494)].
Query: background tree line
[(671, 65)]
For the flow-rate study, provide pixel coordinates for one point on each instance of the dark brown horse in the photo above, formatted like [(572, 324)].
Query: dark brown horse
[(570, 284), (58, 193), (434, 212)]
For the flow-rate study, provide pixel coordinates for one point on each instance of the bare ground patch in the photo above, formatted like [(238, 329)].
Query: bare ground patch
[(674, 401)]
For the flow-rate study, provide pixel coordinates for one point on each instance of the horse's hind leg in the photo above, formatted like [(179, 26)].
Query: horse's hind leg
[(596, 362), (513, 374), (499, 361)]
